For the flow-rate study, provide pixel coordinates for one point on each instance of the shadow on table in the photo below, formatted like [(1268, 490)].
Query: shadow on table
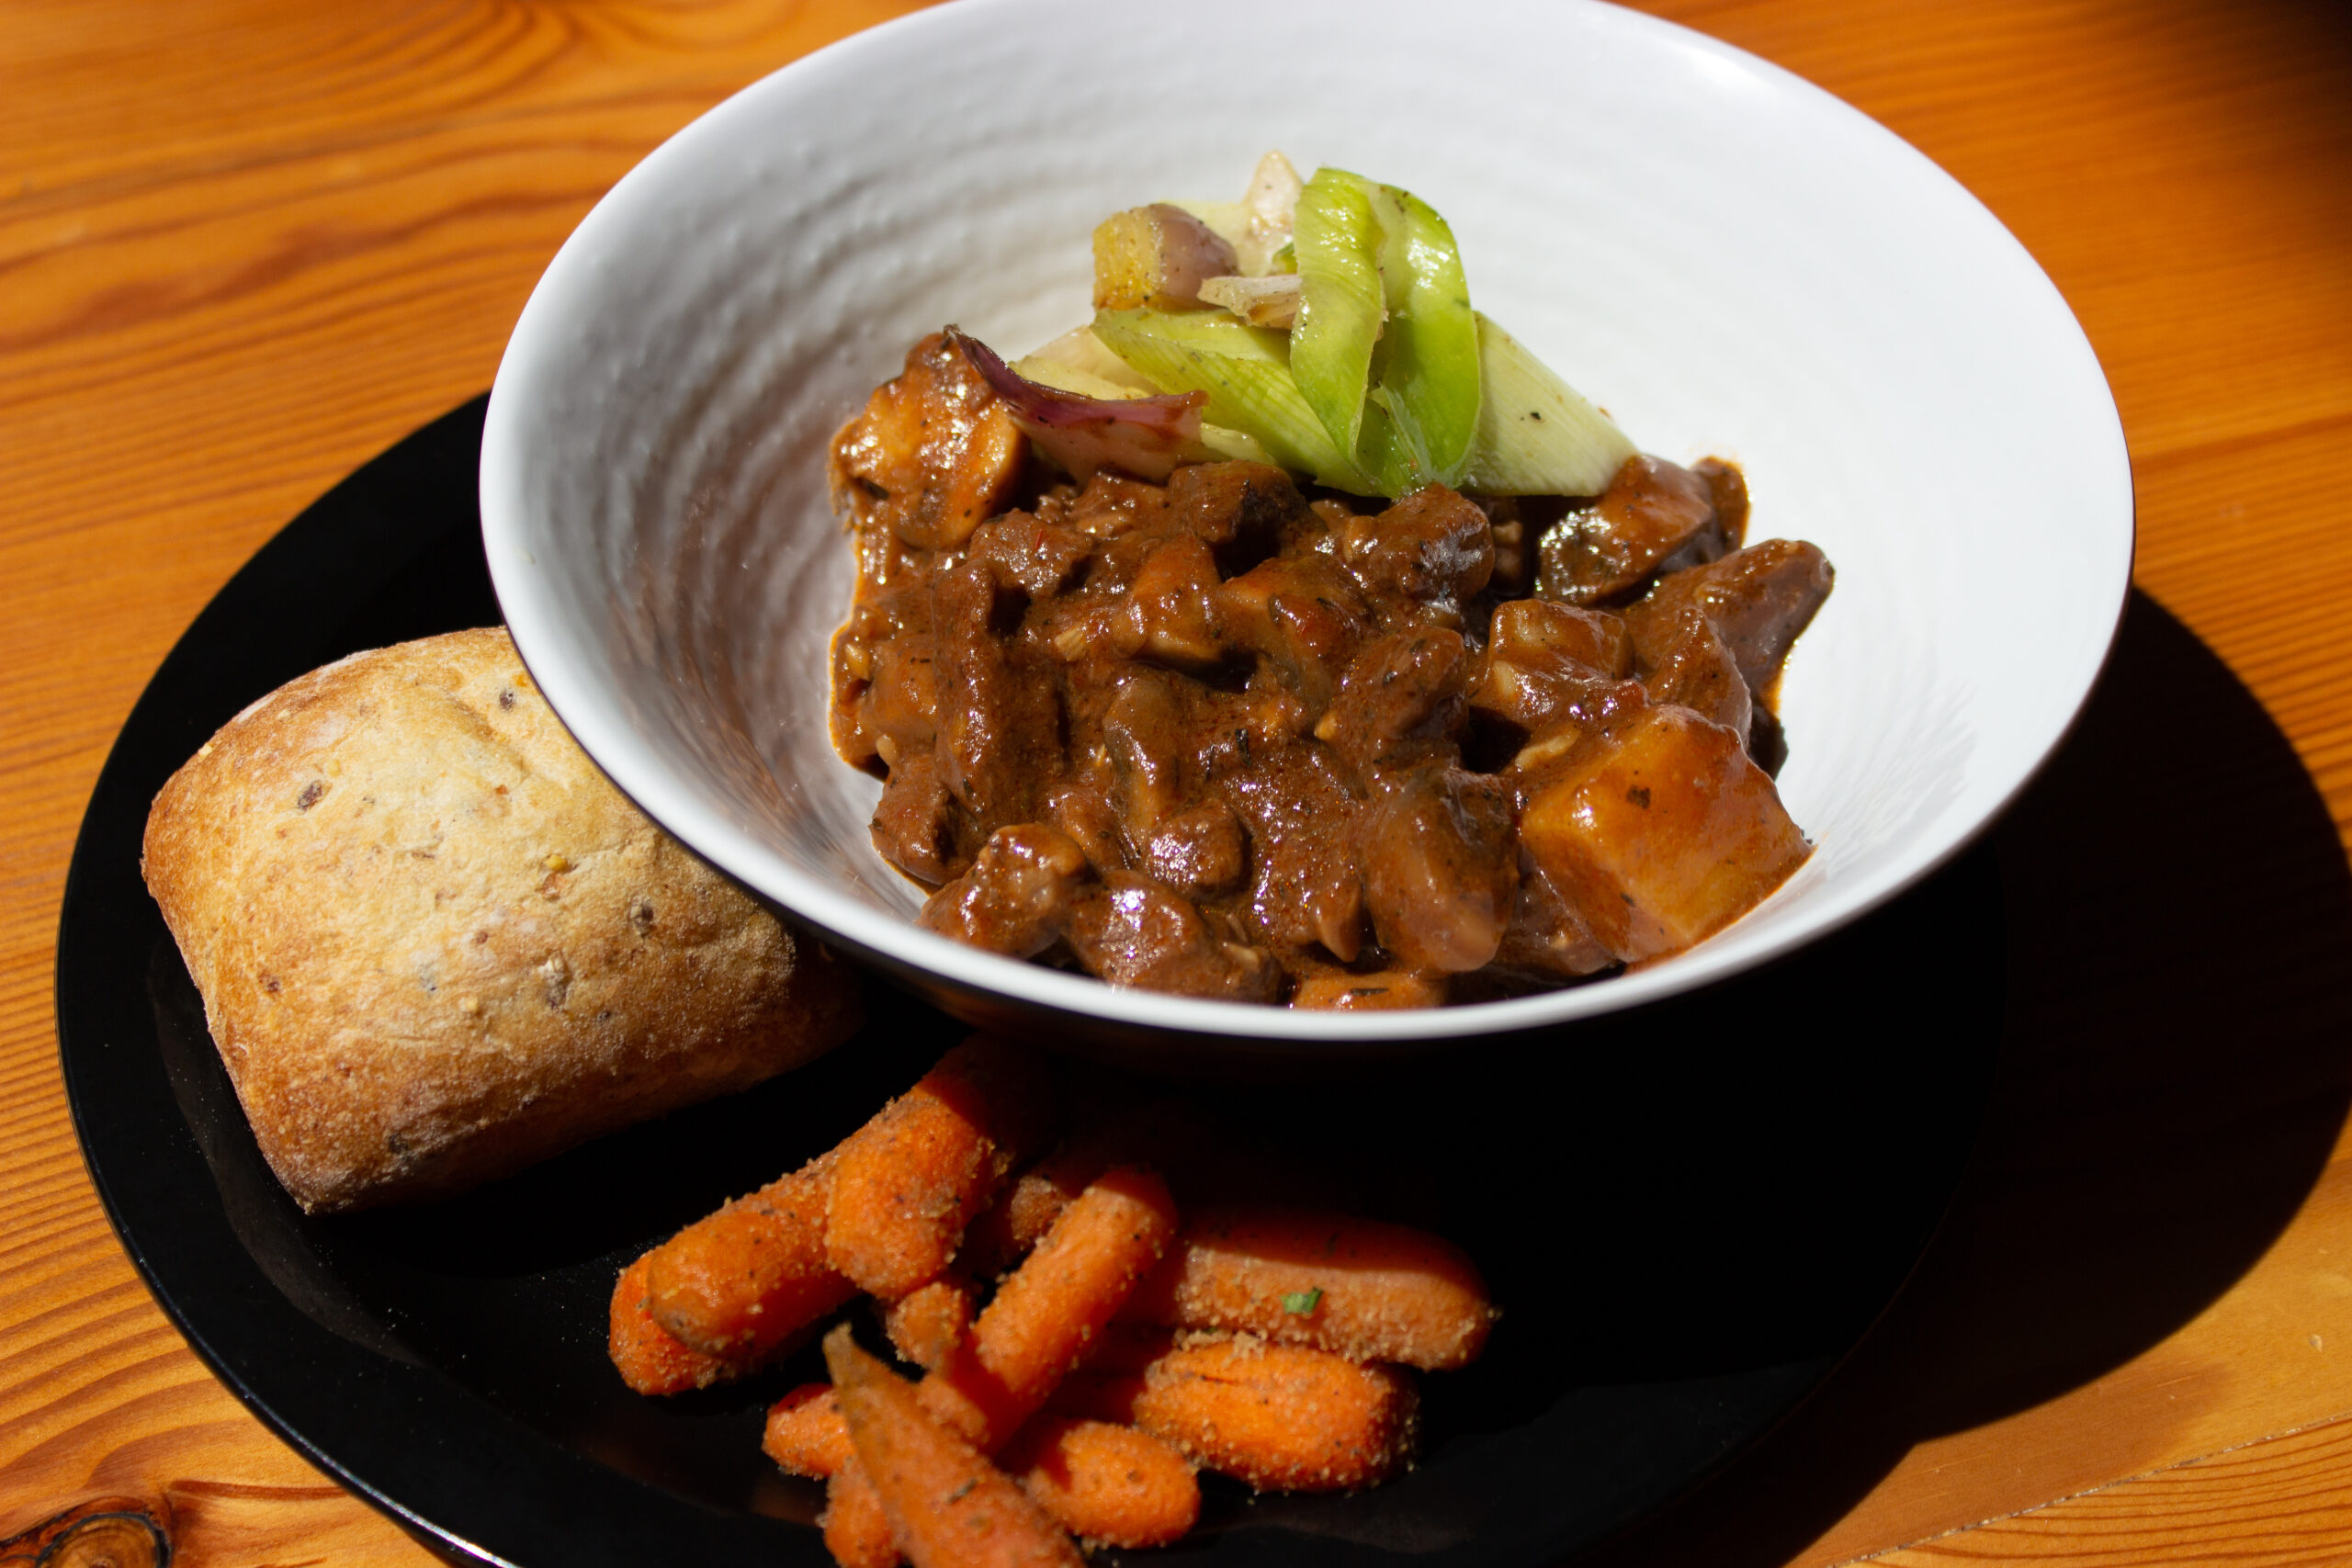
[(2173, 1079)]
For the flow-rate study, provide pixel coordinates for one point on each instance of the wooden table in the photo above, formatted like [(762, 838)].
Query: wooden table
[(246, 243)]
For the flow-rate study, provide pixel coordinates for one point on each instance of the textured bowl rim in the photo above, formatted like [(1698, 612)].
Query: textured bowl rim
[(645, 775)]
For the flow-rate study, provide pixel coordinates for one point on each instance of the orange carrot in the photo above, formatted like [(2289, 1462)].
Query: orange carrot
[(1102, 1483), (1007, 1229), (1050, 1308), (930, 1321), (910, 1181), (1282, 1417), (1169, 1135), (1368, 1291), (743, 1281), (806, 1434), (857, 1531), (651, 1359), (948, 1507)]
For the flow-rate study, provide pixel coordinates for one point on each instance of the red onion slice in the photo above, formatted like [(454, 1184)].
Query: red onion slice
[(1143, 436)]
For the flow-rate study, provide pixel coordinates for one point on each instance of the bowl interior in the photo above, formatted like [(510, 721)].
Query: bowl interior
[(1729, 260)]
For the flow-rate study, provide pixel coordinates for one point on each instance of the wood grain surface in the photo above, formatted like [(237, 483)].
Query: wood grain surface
[(244, 244)]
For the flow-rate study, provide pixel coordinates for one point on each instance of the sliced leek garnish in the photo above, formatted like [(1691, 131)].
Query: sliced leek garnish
[(1537, 435), (1245, 370)]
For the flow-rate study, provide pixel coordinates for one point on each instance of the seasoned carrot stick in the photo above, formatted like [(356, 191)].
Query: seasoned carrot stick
[(1368, 1291), (948, 1507), (857, 1531), (1100, 1482), (1168, 1135), (806, 1434), (1050, 1308), (928, 1322), (1007, 1229), (1282, 1417), (651, 1359), (743, 1281), (910, 1181), (1112, 1484)]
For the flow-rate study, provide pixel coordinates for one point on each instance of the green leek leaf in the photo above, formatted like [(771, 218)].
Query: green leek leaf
[(1337, 241), (1537, 435), (1246, 371), (1430, 358)]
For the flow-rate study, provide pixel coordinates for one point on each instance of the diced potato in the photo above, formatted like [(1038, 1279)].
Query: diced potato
[(1157, 256), (1662, 834)]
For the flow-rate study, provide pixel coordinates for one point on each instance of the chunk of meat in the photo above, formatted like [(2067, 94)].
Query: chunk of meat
[(1434, 547), (1529, 631), (1000, 720), (1656, 517), (1400, 689), (1172, 612), (1758, 600), (1547, 938), (880, 620), (1018, 893), (934, 453), (1305, 614), (1301, 811), (1441, 871), (1662, 833), (1688, 665), (1143, 736), (1111, 504), (1242, 509), (1041, 557), (915, 826), (902, 700), (1132, 931), (1199, 850), (1083, 809), (1728, 488), (1554, 674)]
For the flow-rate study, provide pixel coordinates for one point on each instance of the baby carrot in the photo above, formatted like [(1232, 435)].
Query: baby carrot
[(857, 1531), (948, 1507), (741, 1282), (1370, 1292), (928, 1322), (650, 1359), (908, 1181), (1049, 1309), (1007, 1229), (1282, 1417), (1100, 1482), (805, 1434), (1112, 1484)]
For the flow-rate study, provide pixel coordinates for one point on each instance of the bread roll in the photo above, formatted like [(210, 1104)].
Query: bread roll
[(435, 944)]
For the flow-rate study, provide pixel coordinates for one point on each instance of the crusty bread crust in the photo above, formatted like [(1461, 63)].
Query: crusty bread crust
[(435, 944)]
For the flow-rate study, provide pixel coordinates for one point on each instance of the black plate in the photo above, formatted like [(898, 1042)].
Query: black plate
[(1690, 1213)]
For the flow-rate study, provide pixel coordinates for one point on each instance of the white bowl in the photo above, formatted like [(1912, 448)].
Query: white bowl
[(1727, 258)]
